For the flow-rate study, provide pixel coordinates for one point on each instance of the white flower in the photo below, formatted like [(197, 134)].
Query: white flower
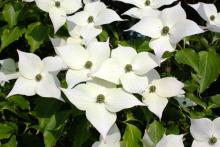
[(205, 132), (101, 101), (8, 71), (92, 17), (112, 139), (83, 63), (209, 13), (58, 9), (145, 7), (129, 68), (155, 97), (35, 77), (167, 29), (167, 141)]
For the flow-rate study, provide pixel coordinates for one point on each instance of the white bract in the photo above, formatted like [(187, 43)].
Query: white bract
[(8, 71), (58, 9), (92, 17), (77, 36), (129, 68), (167, 141), (145, 7), (83, 63), (205, 132), (167, 29), (35, 77), (112, 139), (158, 91), (171, 141), (101, 101), (209, 13)]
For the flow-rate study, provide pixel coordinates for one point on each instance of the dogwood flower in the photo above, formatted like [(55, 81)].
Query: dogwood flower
[(8, 71), (205, 132), (166, 31), (101, 101), (167, 141), (158, 91), (145, 7), (112, 139), (209, 13), (35, 77), (129, 68), (83, 63), (92, 17), (58, 9)]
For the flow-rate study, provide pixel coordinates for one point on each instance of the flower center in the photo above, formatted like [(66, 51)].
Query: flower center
[(165, 30), (212, 140), (88, 64), (90, 19), (212, 18), (128, 68), (100, 99), (147, 2), (38, 77), (57, 4), (152, 89)]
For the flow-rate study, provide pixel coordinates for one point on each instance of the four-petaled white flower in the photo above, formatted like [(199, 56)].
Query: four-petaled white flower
[(36, 77), (209, 13), (129, 68), (83, 63), (155, 97), (145, 7), (205, 132), (167, 29), (101, 101), (58, 9), (92, 17), (8, 71), (112, 139)]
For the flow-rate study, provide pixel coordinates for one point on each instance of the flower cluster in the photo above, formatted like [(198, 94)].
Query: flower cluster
[(103, 81)]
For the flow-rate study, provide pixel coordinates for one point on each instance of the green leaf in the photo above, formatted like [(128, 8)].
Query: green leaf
[(197, 100), (20, 101), (132, 136), (54, 127), (36, 34), (208, 69), (103, 36), (10, 14), (188, 57), (11, 143), (156, 131), (216, 99), (81, 132), (6, 130), (10, 35)]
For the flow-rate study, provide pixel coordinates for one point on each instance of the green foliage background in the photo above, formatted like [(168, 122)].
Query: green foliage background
[(38, 122)]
